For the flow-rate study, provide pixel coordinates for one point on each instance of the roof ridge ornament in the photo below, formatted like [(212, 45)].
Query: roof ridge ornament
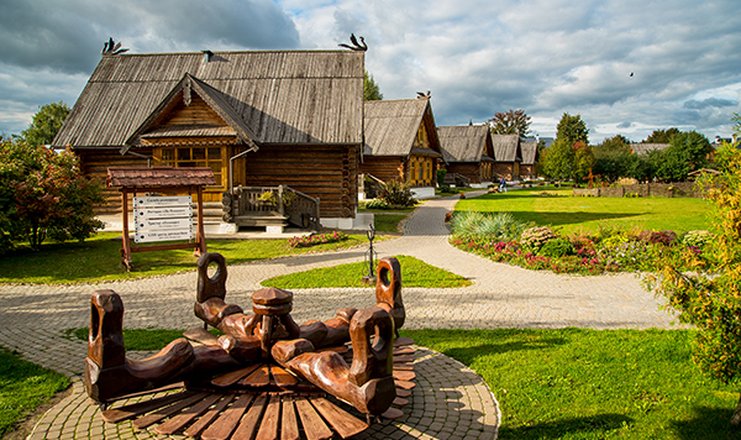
[(358, 46), (110, 47)]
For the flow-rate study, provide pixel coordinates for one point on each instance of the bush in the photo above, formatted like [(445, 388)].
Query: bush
[(397, 194), (667, 238), (536, 237), (557, 248), (376, 204), (43, 194), (697, 239), (484, 226), (441, 177)]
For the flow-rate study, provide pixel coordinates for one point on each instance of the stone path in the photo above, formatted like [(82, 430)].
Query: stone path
[(33, 317)]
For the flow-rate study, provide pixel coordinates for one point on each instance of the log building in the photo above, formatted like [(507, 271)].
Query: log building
[(401, 143), (507, 156), (468, 151), (256, 118)]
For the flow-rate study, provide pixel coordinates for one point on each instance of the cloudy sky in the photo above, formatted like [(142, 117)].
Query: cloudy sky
[(477, 57)]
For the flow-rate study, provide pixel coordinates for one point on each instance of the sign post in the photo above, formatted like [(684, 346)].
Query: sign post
[(160, 218)]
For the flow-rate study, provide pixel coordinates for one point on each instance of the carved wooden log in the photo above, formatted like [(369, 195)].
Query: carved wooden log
[(368, 383), (109, 374), (388, 290), (211, 291)]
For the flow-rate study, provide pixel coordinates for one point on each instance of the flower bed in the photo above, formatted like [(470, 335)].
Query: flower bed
[(541, 248), (315, 239)]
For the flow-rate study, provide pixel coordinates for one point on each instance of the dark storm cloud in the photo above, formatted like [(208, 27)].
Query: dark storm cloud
[(68, 35)]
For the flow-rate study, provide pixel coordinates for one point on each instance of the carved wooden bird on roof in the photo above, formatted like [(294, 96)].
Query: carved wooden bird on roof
[(356, 45)]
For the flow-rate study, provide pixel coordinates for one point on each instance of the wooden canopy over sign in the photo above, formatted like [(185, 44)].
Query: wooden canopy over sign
[(162, 180)]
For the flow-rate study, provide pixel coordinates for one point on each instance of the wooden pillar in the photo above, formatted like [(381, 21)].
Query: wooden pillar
[(125, 244), (200, 238)]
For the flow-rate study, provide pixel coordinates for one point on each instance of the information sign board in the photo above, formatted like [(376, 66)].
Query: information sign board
[(163, 218)]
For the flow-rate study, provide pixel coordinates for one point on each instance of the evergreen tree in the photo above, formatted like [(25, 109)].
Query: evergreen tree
[(371, 91)]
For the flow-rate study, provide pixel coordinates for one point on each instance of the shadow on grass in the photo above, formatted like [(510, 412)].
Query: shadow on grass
[(467, 355), (567, 218), (707, 420), (598, 425)]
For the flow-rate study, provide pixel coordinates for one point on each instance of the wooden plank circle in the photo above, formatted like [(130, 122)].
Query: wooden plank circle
[(257, 402)]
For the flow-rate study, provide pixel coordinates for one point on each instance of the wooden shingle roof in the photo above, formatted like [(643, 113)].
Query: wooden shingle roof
[(464, 143), (281, 97), (506, 147), (529, 151), (159, 177), (391, 126)]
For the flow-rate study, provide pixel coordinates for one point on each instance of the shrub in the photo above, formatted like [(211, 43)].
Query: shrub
[(667, 238), (441, 177), (315, 239), (697, 239), (486, 226), (537, 236), (396, 193), (376, 204), (556, 248)]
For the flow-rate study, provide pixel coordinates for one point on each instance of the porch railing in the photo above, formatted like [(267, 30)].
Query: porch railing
[(297, 208)]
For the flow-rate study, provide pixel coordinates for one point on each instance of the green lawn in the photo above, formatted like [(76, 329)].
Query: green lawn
[(98, 259), (23, 387), (588, 214), (588, 384), (415, 273), (575, 383), (387, 220)]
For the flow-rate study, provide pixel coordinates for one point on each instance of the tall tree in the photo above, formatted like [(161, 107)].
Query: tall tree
[(612, 158), (371, 91), (46, 123), (560, 159), (510, 122), (661, 136)]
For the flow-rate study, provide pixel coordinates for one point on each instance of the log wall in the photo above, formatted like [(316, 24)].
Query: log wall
[(471, 170), (385, 168), (328, 173)]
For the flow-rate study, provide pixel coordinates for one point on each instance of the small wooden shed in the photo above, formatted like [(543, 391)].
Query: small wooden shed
[(468, 151), (401, 142)]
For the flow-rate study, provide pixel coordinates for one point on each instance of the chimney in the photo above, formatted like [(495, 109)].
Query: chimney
[(207, 54)]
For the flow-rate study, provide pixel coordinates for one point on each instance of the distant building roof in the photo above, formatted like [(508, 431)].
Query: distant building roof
[(642, 149), (529, 151), (465, 143), (506, 147), (279, 97), (391, 126)]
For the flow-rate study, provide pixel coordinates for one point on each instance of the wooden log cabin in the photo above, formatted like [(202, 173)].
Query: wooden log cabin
[(507, 156), (401, 143), (528, 167), (468, 151), (272, 118)]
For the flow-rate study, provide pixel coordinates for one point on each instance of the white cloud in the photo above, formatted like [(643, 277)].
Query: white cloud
[(476, 56)]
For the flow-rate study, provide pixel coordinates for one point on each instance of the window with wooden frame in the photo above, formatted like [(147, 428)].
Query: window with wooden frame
[(185, 157)]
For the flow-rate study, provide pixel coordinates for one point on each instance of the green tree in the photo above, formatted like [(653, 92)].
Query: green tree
[(687, 152), (46, 123), (510, 122), (371, 91), (709, 295), (43, 194), (560, 159), (613, 158), (661, 136)]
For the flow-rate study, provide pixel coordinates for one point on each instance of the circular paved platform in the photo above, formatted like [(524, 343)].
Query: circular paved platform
[(449, 402)]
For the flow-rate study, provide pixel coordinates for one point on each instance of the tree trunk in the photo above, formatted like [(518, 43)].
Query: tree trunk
[(736, 418)]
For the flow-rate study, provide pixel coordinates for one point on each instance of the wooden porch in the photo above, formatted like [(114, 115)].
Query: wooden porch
[(270, 207)]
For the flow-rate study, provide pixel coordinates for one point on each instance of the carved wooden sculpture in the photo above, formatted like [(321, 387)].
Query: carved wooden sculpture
[(350, 357)]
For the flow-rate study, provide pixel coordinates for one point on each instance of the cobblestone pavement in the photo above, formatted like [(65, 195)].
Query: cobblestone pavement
[(32, 318)]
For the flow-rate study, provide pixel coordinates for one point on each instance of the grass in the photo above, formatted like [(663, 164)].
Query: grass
[(387, 220), (416, 273), (589, 384), (577, 384), (23, 387), (98, 259), (588, 214)]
